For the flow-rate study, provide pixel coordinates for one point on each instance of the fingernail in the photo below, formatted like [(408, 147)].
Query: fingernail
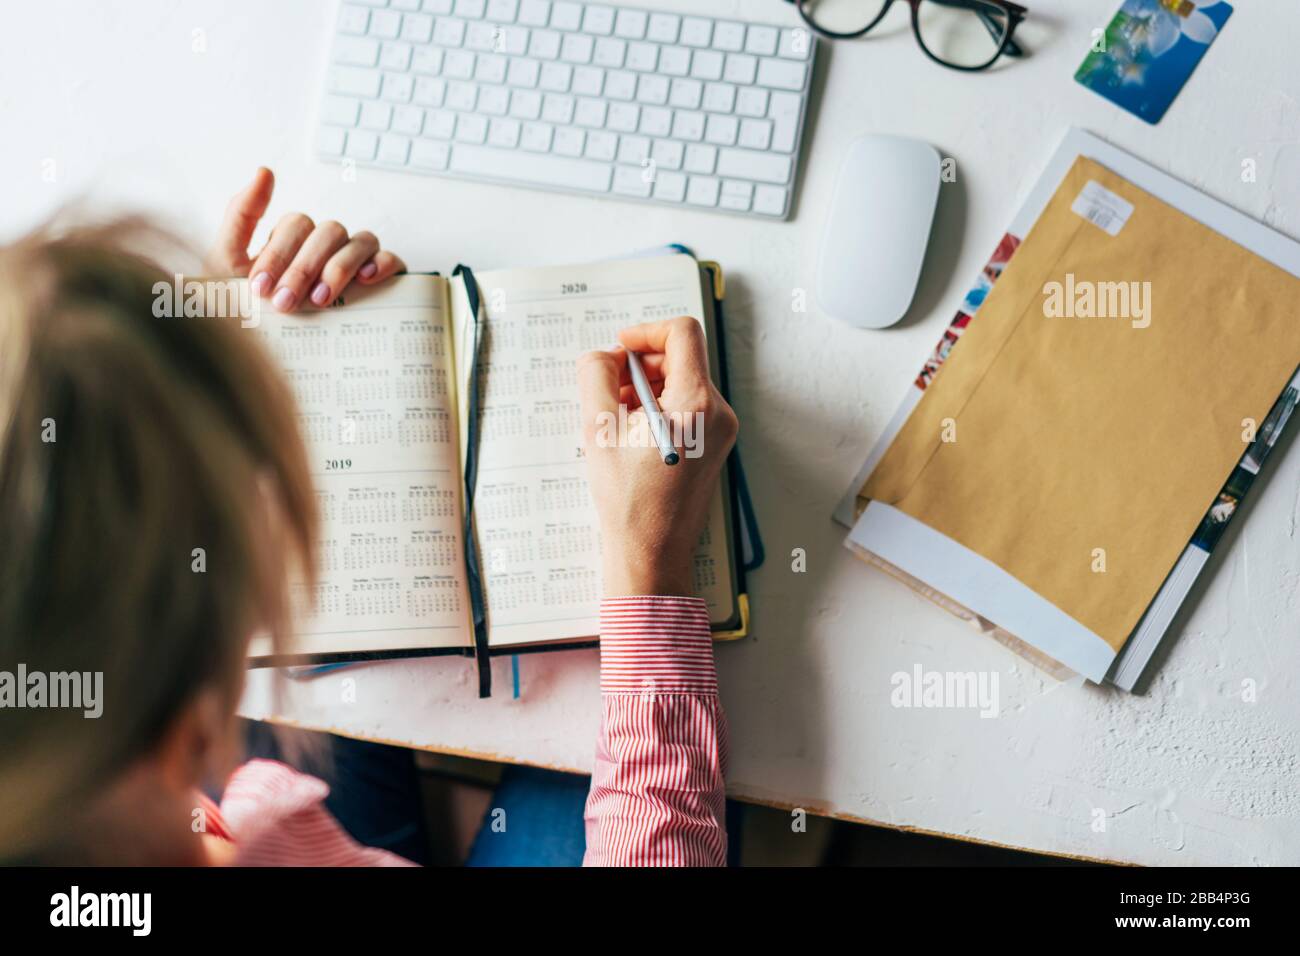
[(321, 294), (284, 299), (368, 270), (261, 283)]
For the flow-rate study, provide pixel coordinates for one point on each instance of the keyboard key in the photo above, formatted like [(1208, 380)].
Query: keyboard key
[(351, 81), (721, 130), (361, 144), (427, 154), (408, 120), (633, 149), (707, 65), (330, 140), (430, 90), (752, 101), (700, 159), (394, 149), (482, 36), (534, 13), (462, 97), (620, 85), (557, 77), (395, 56), (523, 73), (449, 32), (630, 24), (755, 134), (674, 61), (340, 111), (602, 145), (353, 19), (667, 153), (471, 9), (557, 109), (427, 60), (504, 132), (598, 20), (736, 195), (526, 104), (761, 40), (643, 57), (577, 48), (536, 137), (590, 112), (656, 121), (719, 97), (769, 200), (471, 129), (753, 165), (566, 16), (376, 115), (588, 80), (493, 100), (492, 68), (398, 87), (784, 114), (417, 28), (569, 141), (541, 170), (633, 181), (663, 27), (502, 11), (696, 31), (781, 74), (544, 44), (512, 41), (669, 186), (609, 52), (729, 37), (623, 117), (702, 191), (458, 65), (439, 124), (437, 7), (688, 125), (356, 51), (385, 24), (795, 44), (741, 68), (686, 94)]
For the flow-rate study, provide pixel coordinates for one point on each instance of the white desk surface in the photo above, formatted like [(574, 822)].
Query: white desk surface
[(116, 95)]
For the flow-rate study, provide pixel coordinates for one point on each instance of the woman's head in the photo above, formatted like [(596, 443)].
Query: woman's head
[(154, 500)]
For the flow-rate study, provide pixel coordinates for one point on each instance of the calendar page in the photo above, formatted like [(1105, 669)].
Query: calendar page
[(377, 405), (533, 514)]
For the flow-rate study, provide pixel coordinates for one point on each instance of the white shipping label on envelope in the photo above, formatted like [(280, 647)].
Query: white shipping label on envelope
[(1103, 208)]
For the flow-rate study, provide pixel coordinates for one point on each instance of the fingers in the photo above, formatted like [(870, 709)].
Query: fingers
[(243, 213), (343, 267), (273, 261), (383, 265), (681, 340), (598, 388)]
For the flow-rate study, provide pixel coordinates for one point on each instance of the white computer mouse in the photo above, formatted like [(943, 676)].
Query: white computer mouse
[(877, 230)]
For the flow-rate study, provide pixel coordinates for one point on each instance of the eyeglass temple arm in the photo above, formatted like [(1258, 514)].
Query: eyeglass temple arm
[(995, 31)]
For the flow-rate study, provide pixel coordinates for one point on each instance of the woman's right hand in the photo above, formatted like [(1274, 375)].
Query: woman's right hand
[(652, 514)]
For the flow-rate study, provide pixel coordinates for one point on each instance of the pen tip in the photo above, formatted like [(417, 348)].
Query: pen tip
[(671, 459)]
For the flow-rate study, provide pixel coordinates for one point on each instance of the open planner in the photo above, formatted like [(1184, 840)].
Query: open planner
[(1069, 455), (396, 411)]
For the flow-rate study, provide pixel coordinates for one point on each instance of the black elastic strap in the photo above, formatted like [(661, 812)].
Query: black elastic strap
[(472, 569)]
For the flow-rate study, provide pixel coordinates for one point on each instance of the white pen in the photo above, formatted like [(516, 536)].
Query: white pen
[(658, 424)]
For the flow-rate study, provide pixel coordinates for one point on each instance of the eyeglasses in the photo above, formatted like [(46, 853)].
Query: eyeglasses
[(961, 34)]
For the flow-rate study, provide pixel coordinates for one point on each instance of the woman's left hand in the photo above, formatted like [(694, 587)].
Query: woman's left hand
[(301, 260)]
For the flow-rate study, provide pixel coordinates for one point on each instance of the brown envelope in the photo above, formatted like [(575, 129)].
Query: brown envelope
[(1076, 434)]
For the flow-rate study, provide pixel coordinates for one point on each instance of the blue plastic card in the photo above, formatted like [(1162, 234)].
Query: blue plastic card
[(1149, 51)]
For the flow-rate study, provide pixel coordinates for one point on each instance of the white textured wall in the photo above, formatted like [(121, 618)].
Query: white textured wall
[(1187, 774)]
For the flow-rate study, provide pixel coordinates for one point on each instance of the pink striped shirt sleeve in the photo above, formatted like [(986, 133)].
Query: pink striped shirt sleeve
[(657, 794)]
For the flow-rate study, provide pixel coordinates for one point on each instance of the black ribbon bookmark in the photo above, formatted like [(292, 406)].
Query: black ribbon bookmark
[(472, 569)]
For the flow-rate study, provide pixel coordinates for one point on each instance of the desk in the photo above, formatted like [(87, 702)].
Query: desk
[(170, 106)]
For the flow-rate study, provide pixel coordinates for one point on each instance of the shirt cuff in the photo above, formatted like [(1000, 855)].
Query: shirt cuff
[(656, 645)]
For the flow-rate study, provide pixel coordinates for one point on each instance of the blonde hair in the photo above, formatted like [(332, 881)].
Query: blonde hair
[(127, 443)]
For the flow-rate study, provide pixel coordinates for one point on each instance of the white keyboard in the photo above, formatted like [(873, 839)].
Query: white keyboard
[(579, 97)]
